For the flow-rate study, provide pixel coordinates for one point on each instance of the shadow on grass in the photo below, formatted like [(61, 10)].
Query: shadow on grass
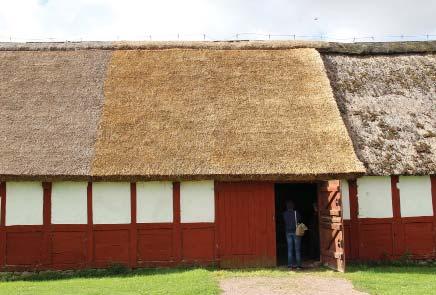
[(111, 272), (121, 271)]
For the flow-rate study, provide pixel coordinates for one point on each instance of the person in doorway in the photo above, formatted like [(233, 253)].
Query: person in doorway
[(291, 218)]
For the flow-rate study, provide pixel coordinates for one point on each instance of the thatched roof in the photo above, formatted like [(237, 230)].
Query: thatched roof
[(50, 105), (388, 103), (231, 114), (170, 114), (323, 47), (223, 110)]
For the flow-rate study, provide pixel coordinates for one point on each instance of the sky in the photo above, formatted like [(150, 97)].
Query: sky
[(336, 20)]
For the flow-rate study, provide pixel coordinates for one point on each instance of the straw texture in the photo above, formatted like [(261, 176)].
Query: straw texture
[(249, 114), (389, 106), (330, 47), (50, 104)]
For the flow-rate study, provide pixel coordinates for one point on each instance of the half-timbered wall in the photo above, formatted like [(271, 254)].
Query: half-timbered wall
[(65, 225), (390, 217)]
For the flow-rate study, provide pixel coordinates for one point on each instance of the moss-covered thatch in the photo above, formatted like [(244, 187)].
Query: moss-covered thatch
[(388, 103), (230, 114), (50, 104)]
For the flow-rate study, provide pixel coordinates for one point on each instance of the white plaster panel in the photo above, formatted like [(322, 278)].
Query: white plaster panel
[(345, 194), (197, 201), (111, 203), (415, 196), (69, 202), (24, 203), (374, 197), (154, 201)]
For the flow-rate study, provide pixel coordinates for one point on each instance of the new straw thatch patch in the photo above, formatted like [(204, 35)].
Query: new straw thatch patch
[(223, 113), (389, 106), (50, 104)]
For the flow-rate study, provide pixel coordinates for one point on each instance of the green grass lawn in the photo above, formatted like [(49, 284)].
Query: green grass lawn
[(161, 281), (393, 279), (374, 280)]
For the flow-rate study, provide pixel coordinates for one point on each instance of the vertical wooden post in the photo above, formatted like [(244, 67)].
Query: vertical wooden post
[(433, 197), (397, 227), (133, 228), (47, 222), (90, 231), (177, 232), (3, 225), (354, 219), (216, 254)]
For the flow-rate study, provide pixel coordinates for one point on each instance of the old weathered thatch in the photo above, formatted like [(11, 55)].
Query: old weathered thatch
[(230, 114), (388, 103), (324, 47), (50, 104), (223, 110)]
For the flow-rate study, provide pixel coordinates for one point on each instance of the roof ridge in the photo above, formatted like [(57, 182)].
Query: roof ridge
[(362, 48)]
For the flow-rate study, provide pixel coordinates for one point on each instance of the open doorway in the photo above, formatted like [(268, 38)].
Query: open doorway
[(304, 196)]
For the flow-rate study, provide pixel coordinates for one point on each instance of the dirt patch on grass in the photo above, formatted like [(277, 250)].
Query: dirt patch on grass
[(297, 284)]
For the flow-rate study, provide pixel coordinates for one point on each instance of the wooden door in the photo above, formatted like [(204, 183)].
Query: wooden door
[(245, 223), (331, 228)]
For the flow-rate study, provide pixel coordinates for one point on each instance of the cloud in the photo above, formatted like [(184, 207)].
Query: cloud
[(130, 19)]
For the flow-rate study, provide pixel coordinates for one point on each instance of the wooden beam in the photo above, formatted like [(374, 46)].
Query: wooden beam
[(177, 233), (47, 186), (354, 220), (90, 229), (397, 227), (133, 227), (3, 224)]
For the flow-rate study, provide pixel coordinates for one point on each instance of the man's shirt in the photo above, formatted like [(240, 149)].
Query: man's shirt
[(289, 219)]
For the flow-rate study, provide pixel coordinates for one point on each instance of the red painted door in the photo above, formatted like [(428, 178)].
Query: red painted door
[(331, 227), (245, 223)]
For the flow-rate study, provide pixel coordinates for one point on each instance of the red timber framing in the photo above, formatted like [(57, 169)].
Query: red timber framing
[(73, 246), (389, 238)]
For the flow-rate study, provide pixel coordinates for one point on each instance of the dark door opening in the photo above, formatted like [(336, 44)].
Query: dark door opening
[(304, 196)]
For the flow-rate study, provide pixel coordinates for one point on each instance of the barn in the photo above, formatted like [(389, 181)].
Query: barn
[(157, 154)]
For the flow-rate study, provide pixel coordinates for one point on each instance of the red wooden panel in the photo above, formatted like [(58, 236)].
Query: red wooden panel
[(198, 244), (418, 238), (246, 227), (375, 241), (24, 248), (111, 246), (68, 248), (155, 245), (347, 239), (331, 229)]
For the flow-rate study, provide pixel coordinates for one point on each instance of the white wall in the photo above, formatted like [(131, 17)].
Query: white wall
[(154, 201), (374, 197), (24, 203), (345, 194), (111, 203), (415, 196), (69, 202), (197, 201)]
